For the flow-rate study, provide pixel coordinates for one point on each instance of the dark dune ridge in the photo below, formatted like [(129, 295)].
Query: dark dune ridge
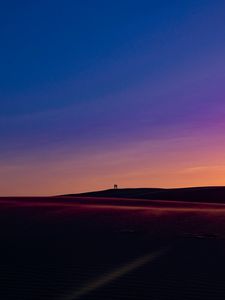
[(211, 194)]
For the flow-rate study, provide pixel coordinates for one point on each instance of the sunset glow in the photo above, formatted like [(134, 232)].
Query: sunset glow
[(125, 99)]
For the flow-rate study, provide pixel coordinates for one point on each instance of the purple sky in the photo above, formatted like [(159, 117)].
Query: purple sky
[(93, 95)]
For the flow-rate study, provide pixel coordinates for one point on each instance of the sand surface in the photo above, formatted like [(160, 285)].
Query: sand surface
[(91, 248)]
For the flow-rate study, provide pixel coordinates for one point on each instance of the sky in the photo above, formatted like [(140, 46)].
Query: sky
[(97, 93)]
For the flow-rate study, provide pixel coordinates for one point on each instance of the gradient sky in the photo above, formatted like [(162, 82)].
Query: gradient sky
[(94, 93)]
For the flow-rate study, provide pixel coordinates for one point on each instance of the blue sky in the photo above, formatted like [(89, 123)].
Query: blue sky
[(98, 76)]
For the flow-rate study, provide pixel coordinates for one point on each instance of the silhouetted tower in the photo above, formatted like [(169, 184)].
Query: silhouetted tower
[(115, 186)]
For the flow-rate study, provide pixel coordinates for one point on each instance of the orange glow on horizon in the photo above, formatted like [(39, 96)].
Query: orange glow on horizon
[(180, 162)]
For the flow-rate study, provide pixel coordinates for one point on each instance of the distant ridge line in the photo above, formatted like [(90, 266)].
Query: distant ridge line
[(212, 194)]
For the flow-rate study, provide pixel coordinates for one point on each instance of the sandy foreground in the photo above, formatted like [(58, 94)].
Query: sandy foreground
[(90, 248)]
